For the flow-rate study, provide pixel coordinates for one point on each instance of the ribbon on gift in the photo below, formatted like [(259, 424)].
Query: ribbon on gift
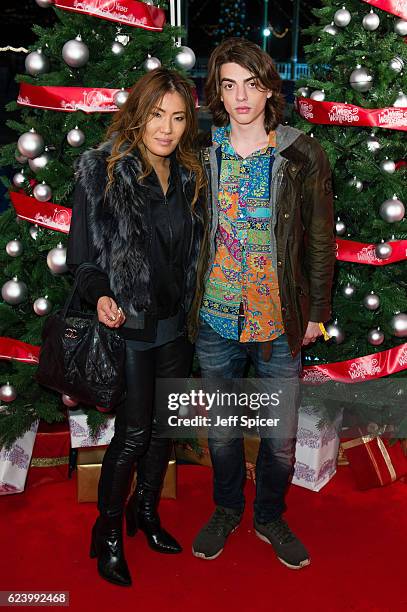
[(49, 215), (363, 253), (394, 7), (368, 367), (16, 350), (340, 113), (128, 12), (68, 99)]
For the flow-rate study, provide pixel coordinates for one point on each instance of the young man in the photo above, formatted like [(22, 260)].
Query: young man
[(269, 279)]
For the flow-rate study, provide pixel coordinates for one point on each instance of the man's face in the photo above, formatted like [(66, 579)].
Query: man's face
[(243, 101)]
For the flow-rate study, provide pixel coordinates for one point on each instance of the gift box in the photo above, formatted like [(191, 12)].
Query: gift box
[(374, 461), (80, 434), (316, 450), (50, 456), (89, 464), (15, 461)]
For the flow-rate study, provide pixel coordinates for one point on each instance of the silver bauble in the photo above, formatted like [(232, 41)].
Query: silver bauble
[(7, 393), (371, 21), (348, 290), (331, 29), (22, 159), (30, 144), (383, 250), (356, 183), (151, 63), (69, 401), (185, 58), (361, 80), (318, 95), (75, 53), (39, 163), (75, 137), (14, 291), (400, 27), (340, 227), (373, 143), (19, 179), (120, 98), (44, 3), (14, 248), (342, 17), (117, 48), (336, 332), (399, 325), (371, 301), (303, 92), (388, 165), (36, 63), (401, 100), (34, 229), (375, 336), (396, 64), (42, 306), (392, 210), (42, 192), (56, 259)]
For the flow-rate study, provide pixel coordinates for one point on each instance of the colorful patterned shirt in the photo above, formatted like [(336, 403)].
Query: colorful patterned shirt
[(242, 278)]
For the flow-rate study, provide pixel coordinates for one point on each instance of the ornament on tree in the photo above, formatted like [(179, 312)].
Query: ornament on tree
[(371, 301), (185, 58), (318, 95), (42, 192), (400, 27), (399, 325), (120, 98), (56, 259), (44, 3), (396, 64), (340, 227), (42, 306), (304, 92), (14, 291), (151, 63), (373, 143), (75, 53), (401, 100), (75, 137), (39, 163), (335, 331), (371, 21), (7, 393), (356, 183), (331, 29), (36, 63), (361, 80), (33, 231), (375, 336), (14, 248), (383, 250), (392, 210), (30, 144), (388, 165), (348, 290), (117, 48), (19, 179), (22, 159), (69, 401), (342, 17)]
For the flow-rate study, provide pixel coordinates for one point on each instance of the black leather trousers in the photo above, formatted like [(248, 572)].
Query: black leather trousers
[(135, 439)]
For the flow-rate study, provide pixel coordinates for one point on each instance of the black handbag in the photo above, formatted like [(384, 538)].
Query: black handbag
[(82, 358)]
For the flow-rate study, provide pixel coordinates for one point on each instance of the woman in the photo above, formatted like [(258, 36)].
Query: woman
[(138, 229)]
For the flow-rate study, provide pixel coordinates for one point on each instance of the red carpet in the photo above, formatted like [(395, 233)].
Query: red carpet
[(357, 541)]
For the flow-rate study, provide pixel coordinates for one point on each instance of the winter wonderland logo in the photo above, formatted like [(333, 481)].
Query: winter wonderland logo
[(343, 114)]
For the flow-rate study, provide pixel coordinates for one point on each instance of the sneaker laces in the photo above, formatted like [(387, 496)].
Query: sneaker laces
[(281, 531), (221, 522)]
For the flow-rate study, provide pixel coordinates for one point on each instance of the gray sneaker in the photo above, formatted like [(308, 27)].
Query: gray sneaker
[(287, 546), (211, 539)]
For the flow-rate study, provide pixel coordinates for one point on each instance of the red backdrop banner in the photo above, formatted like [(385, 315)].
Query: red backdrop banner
[(68, 99), (359, 252), (127, 12), (395, 7), (18, 351), (49, 215)]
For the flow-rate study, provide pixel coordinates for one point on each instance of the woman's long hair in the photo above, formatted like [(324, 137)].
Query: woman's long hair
[(130, 121)]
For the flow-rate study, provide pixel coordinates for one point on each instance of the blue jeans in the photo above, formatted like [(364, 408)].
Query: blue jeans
[(223, 358)]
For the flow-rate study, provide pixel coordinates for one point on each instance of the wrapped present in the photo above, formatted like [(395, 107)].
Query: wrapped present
[(375, 461), (316, 450), (89, 464), (50, 457), (199, 455), (81, 435), (15, 461), (342, 459)]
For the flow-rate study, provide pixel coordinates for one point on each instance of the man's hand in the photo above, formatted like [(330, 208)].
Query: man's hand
[(311, 333), (109, 313)]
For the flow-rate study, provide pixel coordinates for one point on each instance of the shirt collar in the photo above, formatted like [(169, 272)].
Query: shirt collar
[(221, 136)]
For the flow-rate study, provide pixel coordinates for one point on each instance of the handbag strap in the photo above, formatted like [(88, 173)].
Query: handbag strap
[(74, 288)]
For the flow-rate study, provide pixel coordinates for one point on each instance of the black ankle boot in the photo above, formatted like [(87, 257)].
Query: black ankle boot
[(141, 513), (107, 546)]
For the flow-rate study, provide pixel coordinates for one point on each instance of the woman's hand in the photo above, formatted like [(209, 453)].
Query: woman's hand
[(109, 313)]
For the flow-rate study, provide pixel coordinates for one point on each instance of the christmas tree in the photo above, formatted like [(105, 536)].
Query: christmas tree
[(76, 76), (354, 103)]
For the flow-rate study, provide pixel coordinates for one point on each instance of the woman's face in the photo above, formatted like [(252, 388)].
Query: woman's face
[(166, 126)]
